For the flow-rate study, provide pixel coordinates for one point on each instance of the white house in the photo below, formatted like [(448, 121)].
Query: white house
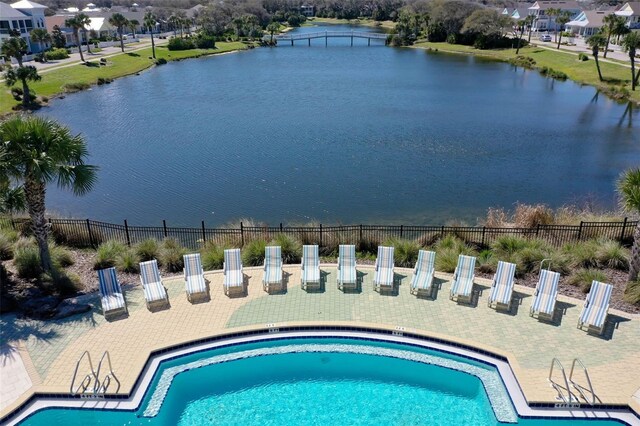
[(544, 22), (631, 12), (22, 17), (587, 23)]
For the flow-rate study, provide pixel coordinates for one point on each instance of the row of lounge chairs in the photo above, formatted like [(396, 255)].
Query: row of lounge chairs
[(593, 314)]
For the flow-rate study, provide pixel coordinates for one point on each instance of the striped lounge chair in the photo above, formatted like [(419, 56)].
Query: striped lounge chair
[(423, 273), (502, 286), (596, 307), (232, 269), (347, 266), (384, 269), (546, 293), (272, 268), (310, 267), (154, 291), (193, 276), (111, 294), (463, 276)]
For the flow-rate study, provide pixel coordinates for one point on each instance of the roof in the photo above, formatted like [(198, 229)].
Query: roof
[(556, 4), (631, 6), (520, 12), (7, 12), (26, 4), (589, 19)]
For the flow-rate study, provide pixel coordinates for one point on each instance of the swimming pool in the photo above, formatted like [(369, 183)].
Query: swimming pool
[(316, 381)]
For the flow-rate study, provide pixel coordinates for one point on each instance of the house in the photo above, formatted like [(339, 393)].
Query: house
[(543, 21), (587, 23), (307, 10), (99, 25), (519, 13), (631, 12), (22, 17)]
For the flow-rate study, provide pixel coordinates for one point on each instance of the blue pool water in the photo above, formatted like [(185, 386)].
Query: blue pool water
[(319, 388)]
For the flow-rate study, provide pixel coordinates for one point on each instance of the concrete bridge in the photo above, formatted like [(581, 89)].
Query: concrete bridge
[(327, 35)]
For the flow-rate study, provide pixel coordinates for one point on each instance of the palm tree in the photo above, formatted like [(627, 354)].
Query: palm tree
[(11, 197), (133, 25), (562, 19), (85, 21), (173, 21), (629, 191), (75, 24), (150, 22), (15, 47), (611, 26), (273, 27), (553, 13), (596, 42), (23, 74), (41, 36), (40, 152), (630, 43), (119, 21), (528, 21), (520, 27)]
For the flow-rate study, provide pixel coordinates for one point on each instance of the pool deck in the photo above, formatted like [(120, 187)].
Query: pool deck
[(41, 356)]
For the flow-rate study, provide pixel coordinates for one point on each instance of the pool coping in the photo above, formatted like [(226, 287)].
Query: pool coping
[(502, 362)]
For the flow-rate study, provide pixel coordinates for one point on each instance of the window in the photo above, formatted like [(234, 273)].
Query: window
[(4, 27)]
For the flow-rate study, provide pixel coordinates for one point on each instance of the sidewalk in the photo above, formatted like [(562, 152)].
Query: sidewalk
[(582, 47)]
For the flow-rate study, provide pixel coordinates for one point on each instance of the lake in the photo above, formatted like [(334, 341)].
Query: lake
[(342, 134)]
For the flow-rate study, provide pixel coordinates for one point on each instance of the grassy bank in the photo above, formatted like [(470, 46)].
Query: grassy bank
[(617, 76), (59, 81), (388, 25)]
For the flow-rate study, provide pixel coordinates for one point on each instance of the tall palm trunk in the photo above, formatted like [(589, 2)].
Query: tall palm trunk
[(634, 261), (530, 30), (34, 194), (87, 40), (519, 40), (606, 46), (77, 36), (559, 41), (121, 41), (26, 94), (595, 57), (153, 46), (633, 73)]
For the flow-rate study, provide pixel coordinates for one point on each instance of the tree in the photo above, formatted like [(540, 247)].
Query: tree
[(528, 21), (520, 25), (597, 42), (174, 21), (630, 43), (133, 25), (119, 21), (57, 38), (273, 28), (22, 74), (40, 152), (85, 21), (150, 22), (552, 12), (75, 25), (486, 22), (14, 46), (11, 197), (611, 26), (629, 191), (562, 19), (41, 36)]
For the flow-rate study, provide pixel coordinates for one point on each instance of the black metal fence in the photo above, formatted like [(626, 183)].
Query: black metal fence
[(90, 233)]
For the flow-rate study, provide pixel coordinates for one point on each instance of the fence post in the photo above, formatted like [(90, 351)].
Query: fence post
[(537, 230), (442, 232), (580, 231), (624, 228), (360, 233), (320, 235), (204, 235), (281, 227), (126, 230), (401, 229), (242, 234), (484, 228), (90, 234)]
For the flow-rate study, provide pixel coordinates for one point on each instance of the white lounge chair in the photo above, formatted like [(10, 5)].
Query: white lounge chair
[(111, 295), (310, 266), (193, 276), (596, 307), (463, 276), (546, 294), (502, 286), (384, 268), (423, 272), (347, 266), (154, 291), (272, 268), (232, 270)]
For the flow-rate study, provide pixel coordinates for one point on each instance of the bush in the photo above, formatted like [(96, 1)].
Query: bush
[(67, 284), (176, 43), (212, 256), (405, 252), (107, 254), (581, 254), (529, 258), (128, 261), (171, 254), (509, 244), (632, 293), (24, 243), (610, 254), (75, 87), (6, 246), (253, 253), (147, 250), (27, 262), (161, 61), (56, 54), (447, 260), (523, 61), (291, 248), (583, 57), (583, 277), (550, 72), (60, 256), (487, 262), (436, 33), (205, 42)]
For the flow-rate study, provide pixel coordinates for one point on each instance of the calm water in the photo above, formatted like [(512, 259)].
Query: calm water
[(342, 134)]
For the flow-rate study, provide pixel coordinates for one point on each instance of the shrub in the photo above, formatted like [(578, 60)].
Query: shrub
[(176, 43), (405, 253), (436, 32), (291, 248), (581, 254), (487, 262), (583, 277), (632, 292), (523, 61), (171, 254), (27, 262), (253, 253), (67, 284), (447, 260), (56, 54), (529, 258), (24, 243), (610, 254), (550, 72), (212, 256), (128, 261), (101, 80), (6, 246), (530, 216), (75, 87), (509, 244), (583, 57), (147, 250), (60, 256), (161, 61), (205, 42), (107, 254)]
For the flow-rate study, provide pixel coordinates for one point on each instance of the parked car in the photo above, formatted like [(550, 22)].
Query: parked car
[(545, 37)]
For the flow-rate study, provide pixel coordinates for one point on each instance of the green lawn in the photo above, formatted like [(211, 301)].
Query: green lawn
[(616, 75), (53, 81), (389, 25)]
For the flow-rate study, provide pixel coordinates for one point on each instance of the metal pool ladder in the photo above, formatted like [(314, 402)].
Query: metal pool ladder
[(581, 389), (567, 399), (91, 385)]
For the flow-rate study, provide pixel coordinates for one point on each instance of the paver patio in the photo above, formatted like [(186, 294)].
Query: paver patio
[(53, 348)]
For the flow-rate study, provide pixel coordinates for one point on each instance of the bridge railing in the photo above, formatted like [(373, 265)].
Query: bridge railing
[(305, 36)]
